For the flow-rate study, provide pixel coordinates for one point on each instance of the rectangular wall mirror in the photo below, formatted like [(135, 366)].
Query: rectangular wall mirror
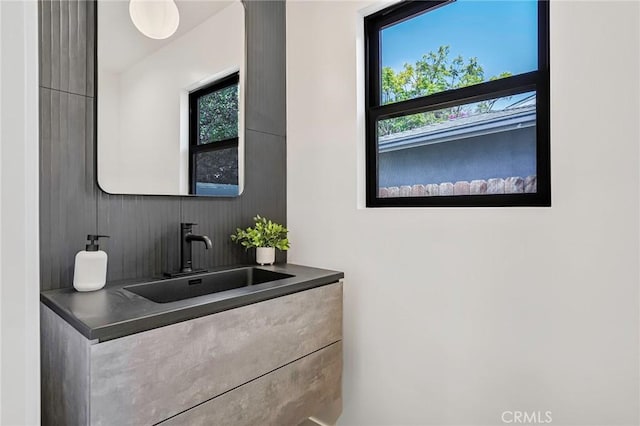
[(170, 110)]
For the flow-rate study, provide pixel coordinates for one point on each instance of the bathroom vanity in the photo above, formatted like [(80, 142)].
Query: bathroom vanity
[(266, 353)]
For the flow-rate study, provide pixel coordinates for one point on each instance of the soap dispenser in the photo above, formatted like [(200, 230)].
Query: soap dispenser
[(90, 271)]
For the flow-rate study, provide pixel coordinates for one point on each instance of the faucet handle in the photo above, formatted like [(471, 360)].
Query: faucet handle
[(187, 224)]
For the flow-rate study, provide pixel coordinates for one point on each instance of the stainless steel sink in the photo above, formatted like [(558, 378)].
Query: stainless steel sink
[(172, 290)]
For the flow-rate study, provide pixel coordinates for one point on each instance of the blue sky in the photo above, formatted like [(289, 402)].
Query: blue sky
[(502, 34)]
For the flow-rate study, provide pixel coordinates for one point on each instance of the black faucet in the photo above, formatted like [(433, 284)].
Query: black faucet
[(186, 237)]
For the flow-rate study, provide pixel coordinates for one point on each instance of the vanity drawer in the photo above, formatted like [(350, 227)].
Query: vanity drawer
[(286, 396), (150, 376)]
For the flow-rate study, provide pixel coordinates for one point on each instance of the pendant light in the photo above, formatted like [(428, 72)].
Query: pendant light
[(157, 19)]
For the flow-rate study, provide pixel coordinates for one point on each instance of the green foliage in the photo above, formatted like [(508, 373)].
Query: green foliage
[(218, 115), (220, 166), (434, 72), (217, 121), (265, 233)]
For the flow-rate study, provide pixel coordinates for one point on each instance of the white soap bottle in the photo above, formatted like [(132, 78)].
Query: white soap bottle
[(90, 271)]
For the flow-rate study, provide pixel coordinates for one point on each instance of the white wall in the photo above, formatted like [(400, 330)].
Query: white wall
[(454, 315), (143, 148), (19, 264)]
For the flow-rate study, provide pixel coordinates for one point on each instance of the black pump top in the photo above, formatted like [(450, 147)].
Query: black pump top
[(94, 246)]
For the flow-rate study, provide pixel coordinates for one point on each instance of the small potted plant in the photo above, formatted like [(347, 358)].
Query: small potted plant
[(266, 236)]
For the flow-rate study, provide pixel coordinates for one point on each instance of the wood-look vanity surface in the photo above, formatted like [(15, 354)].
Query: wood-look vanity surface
[(244, 359)]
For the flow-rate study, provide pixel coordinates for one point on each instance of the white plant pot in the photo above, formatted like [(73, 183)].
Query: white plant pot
[(265, 255)]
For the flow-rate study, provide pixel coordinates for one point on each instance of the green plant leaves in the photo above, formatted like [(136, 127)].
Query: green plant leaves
[(265, 233), (434, 72)]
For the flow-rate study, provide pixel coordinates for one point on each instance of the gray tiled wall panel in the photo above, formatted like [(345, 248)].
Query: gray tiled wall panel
[(67, 195), (145, 229), (266, 28), (266, 179), (66, 45), (265, 175), (144, 234)]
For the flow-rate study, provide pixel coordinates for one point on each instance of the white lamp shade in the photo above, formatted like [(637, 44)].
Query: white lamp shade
[(157, 19)]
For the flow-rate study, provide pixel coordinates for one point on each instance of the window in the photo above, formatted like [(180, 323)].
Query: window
[(213, 138), (457, 104)]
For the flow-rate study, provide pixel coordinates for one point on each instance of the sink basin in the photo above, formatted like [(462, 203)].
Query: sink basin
[(172, 290)]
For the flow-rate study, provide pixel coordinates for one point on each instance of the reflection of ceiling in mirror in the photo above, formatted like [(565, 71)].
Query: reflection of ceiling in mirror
[(121, 44)]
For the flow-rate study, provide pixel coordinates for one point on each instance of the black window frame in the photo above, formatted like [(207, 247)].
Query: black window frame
[(194, 147), (538, 81)]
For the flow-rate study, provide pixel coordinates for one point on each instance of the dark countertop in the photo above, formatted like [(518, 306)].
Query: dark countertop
[(115, 312)]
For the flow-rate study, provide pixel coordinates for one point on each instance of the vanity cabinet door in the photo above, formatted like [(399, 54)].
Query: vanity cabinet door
[(151, 376), (286, 396)]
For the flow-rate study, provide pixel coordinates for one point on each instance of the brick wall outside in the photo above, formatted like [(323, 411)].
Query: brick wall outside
[(510, 185)]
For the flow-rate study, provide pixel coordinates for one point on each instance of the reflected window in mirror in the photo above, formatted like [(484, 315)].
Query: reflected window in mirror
[(213, 138)]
